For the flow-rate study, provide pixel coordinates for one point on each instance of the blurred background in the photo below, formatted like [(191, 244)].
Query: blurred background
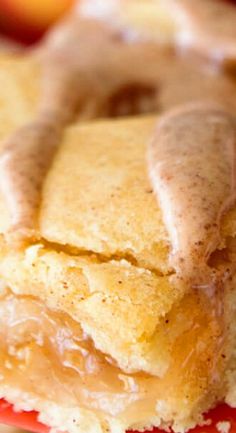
[(27, 20)]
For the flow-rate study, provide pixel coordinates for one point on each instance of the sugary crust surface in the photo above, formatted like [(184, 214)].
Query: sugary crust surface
[(118, 214), (103, 257), (104, 249)]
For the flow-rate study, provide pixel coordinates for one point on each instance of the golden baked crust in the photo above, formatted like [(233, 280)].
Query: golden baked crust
[(103, 260), (101, 236), (101, 233)]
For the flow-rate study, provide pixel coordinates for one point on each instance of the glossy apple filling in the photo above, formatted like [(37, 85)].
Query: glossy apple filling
[(46, 353)]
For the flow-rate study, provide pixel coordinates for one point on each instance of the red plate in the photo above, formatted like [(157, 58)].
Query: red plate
[(28, 420), (24, 420)]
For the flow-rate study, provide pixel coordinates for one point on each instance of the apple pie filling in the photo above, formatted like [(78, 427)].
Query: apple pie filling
[(46, 353)]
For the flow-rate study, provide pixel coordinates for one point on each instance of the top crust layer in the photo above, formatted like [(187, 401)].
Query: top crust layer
[(103, 254), (106, 204)]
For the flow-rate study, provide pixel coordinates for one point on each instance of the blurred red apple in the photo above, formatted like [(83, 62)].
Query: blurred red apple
[(28, 19)]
